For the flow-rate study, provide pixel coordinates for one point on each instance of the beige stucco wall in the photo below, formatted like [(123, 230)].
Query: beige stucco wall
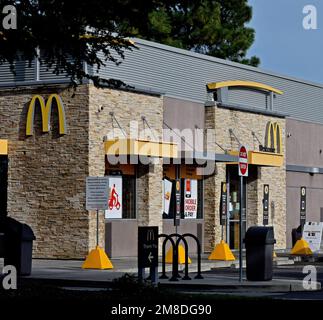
[(243, 123)]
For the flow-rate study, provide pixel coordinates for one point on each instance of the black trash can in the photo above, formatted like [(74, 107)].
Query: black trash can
[(2, 245), (259, 242), (296, 235), (19, 239)]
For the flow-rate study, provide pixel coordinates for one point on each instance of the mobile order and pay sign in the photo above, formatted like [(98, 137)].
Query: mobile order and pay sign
[(97, 193), (243, 162)]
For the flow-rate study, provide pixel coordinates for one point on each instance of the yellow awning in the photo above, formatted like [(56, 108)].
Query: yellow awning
[(141, 148), (3, 147), (260, 158), (265, 158)]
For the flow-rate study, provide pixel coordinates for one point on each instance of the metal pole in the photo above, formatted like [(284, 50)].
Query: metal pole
[(240, 229), (97, 228)]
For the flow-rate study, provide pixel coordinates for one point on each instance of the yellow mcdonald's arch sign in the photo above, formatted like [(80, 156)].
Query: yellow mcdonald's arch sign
[(273, 138), (46, 108)]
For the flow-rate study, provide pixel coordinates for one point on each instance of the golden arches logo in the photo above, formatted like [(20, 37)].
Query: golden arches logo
[(273, 137), (46, 108)]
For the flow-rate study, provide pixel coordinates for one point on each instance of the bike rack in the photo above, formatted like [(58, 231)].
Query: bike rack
[(175, 273), (199, 273), (167, 237), (181, 238)]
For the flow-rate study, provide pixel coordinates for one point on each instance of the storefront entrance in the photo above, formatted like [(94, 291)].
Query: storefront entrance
[(3, 185), (234, 207)]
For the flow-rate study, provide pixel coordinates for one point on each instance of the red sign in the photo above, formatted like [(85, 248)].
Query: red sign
[(243, 162)]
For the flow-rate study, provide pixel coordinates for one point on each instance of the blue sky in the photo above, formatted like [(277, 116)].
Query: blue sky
[(281, 42)]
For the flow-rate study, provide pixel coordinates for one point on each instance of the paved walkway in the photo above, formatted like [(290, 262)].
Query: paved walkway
[(69, 272)]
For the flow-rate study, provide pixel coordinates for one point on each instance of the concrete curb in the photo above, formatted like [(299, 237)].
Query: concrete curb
[(283, 286)]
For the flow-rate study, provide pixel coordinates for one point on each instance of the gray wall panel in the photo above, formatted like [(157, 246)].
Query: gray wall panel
[(23, 72), (184, 74), (314, 199), (183, 115), (304, 143)]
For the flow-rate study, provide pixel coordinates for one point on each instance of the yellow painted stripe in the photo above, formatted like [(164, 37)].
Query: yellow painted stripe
[(239, 83)]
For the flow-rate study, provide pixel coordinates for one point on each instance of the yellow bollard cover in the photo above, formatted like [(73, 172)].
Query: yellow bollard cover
[(181, 255), (302, 248), (97, 259), (222, 252)]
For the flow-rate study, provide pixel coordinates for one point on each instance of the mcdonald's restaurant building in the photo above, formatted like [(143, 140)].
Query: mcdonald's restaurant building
[(52, 137)]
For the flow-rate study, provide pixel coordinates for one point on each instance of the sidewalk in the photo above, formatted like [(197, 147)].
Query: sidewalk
[(70, 273)]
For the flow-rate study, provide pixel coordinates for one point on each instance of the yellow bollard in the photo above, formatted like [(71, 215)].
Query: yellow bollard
[(97, 259), (222, 252), (181, 255), (302, 248)]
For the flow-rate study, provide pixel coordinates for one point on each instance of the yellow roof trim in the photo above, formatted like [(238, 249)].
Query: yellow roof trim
[(3, 147), (140, 148), (260, 158), (239, 83)]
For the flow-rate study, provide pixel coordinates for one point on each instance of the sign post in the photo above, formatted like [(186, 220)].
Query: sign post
[(265, 203), (97, 195), (148, 252), (223, 206), (243, 172), (303, 207), (177, 217)]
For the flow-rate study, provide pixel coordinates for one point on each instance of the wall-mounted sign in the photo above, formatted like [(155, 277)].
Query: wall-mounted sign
[(243, 162), (190, 199), (312, 233), (46, 108), (223, 204), (167, 195), (265, 204), (273, 138), (177, 215), (97, 193), (303, 206), (114, 210)]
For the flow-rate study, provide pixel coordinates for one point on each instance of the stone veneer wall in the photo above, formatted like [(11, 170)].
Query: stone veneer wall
[(127, 106), (47, 172), (46, 187), (243, 123)]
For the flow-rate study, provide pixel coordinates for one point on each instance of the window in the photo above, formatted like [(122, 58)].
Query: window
[(129, 197), (122, 202), (191, 199)]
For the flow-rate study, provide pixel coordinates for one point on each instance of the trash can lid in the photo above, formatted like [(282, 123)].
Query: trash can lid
[(260, 235), (27, 233), (18, 230)]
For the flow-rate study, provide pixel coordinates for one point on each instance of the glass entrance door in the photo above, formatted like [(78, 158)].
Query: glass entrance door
[(3, 185), (234, 207)]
